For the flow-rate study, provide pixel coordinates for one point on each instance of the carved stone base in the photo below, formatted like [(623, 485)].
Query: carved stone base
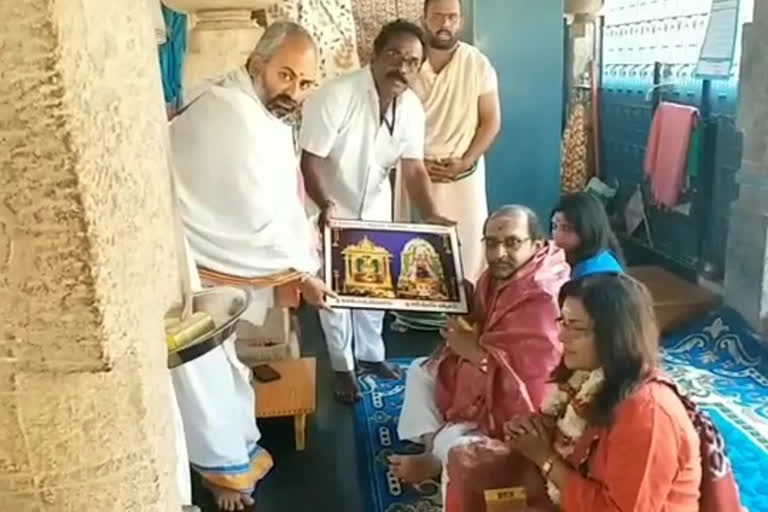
[(746, 272), (223, 35), (219, 42)]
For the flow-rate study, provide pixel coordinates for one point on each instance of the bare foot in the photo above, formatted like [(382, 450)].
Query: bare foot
[(382, 370), (414, 469), (229, 500), (345, 388)]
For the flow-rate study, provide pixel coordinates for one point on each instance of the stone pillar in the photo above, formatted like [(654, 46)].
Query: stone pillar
[(222, 35), (87, 261), (746, 275)]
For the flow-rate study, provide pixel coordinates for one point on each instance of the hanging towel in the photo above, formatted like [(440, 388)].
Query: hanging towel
[(667, 152)]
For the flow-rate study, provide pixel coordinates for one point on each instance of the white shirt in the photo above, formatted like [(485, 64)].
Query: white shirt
[(341, 122), (236, 169)]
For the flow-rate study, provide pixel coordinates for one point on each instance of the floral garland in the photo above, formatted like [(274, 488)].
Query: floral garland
[(569, 403)]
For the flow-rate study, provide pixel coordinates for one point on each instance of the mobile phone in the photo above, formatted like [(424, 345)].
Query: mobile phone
[(265, 373)]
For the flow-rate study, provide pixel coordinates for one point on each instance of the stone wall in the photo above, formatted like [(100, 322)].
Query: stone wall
[(87, 260), (746, 277)]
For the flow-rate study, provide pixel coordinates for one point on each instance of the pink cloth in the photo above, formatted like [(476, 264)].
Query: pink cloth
[(518, 328), (667, 151)]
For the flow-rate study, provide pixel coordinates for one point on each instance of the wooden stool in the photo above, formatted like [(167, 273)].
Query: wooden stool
[(675, 300), (291, 395)]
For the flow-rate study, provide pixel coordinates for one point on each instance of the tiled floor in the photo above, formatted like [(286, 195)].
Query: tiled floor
[(325, 477)]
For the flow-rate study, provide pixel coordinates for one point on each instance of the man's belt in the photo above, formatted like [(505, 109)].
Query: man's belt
[(286, 284), (466, 174), (463, 174)]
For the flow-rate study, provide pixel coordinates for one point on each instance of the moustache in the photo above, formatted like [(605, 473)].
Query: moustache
[(501, 265), (394, 75), (283, 103)]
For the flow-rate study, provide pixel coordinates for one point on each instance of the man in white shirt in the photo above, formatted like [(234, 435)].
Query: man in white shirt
[(355, 130), (238, 186)]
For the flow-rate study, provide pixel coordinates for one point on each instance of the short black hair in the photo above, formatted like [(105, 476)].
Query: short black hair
[(535, 233), (427, 2), (399, 27)]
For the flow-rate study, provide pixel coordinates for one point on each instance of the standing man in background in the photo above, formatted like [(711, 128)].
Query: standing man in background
[(459, 89), (355, 130)]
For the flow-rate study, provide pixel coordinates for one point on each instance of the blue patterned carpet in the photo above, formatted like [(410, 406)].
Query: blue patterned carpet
[(718, 360), (724, 366), (376, 421)]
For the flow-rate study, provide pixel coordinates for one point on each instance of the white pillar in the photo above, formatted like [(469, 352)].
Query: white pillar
[(87, 261), (746, 274), (222, 35)]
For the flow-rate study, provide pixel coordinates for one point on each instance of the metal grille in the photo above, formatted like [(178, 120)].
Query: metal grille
[(637, 34)]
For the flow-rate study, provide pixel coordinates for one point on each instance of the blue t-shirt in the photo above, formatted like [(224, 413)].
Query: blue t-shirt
[(604, 262)]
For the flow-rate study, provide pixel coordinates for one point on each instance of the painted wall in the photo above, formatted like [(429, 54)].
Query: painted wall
[(524, 40)]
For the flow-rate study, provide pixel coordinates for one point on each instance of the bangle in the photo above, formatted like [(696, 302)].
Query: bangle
[(546, 468)]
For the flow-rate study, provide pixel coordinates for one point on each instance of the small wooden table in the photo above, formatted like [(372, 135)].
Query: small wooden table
[(291, 395)]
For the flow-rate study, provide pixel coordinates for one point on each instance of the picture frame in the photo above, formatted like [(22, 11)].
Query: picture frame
[(394, 267)]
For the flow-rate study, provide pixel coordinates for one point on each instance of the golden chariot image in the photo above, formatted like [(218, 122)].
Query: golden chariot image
[(421, 272), (393, 266), (367, 270)]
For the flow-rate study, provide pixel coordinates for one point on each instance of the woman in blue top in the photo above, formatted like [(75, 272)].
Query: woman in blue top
[(581, 228)]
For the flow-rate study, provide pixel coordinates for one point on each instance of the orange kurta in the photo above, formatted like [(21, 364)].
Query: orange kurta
[(648, 460)]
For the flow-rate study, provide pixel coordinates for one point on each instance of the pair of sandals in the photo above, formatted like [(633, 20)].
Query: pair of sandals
[(345, 387)]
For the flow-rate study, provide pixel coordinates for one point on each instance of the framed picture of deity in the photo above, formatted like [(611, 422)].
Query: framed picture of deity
[(397, 267)]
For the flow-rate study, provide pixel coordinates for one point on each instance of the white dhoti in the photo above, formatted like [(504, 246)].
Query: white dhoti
[(420, 417), (353, 334), (218, 410), (183, 481), (466, 202)]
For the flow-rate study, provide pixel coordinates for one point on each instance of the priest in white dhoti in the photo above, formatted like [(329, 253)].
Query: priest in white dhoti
[(458, 87), (355, 130), (239, 192)]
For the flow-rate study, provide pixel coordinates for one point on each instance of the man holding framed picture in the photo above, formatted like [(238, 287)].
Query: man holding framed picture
[(355, 130)]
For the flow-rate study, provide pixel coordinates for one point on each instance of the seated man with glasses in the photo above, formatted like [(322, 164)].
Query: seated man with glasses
[(354, 132), (496, 363)]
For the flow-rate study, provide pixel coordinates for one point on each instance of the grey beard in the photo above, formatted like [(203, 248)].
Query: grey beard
[(258, 87), (291, 119)]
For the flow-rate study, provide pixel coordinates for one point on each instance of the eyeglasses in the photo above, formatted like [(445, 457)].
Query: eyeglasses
[(396, 58), (510, 243)]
